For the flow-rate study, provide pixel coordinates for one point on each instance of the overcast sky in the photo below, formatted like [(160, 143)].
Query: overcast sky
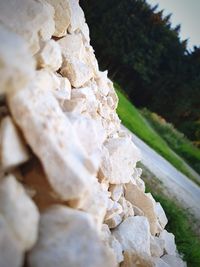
[(186, 13)]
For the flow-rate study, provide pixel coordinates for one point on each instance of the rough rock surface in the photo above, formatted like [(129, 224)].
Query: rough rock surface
[(19, 211), (64, 236), (11, 140), (70, 190)]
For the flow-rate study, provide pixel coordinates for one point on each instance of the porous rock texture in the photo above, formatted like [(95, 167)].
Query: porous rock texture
[(70, 191)]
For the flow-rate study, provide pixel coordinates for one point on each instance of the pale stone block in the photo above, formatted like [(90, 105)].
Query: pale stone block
[(91, 135), (15, 73), (49, 56), (174, 261), (68, 236), (158, 262), (134, 236), (116, 191), (123, 156), (13, 149), (161, 215), (109, 239), (169, 242), (114, 221), (127, 208), (10, 252), (94, 204), (102, 82), (77, 72), (19, 211), (138, 198), (62, 16), (116, 208), (156, 246), (34, 23), (53, 139)]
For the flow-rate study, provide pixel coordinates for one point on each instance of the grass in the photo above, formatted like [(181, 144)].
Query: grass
[(136, 123), (176, 140), (179, 221)]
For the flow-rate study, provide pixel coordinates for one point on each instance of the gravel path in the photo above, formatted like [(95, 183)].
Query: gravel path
[(185, 190)]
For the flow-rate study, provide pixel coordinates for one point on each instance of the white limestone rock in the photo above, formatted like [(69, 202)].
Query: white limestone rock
[(134, 236), (63, 91), (116, 191), (113, 221), (72, 47), (94, 204), (50, 81), (119, 166), (136, 175), (91, 135), (156, 246), (110, 240), (140, 183), (13, 149), (19, 211), (158, 262), (15, 73), (169, 242), (127, 208), (138, 198), (68, 236), (49, 56), (77, 106), (174, 261), (34, 23), (77, 72), (62, 16), (76, 65), (137, 211), (10, 252), (102, 82), (161, 215), (114, 208), (90, 104), (116, 246), (53, 139)]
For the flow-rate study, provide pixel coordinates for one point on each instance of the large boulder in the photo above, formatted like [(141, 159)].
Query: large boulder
[(69, 237), (48, 131)]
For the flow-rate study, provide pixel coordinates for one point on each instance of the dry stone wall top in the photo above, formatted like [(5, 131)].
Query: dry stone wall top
[(70, 191)]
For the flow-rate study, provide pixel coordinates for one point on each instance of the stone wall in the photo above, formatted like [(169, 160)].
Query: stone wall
[(70, 191)]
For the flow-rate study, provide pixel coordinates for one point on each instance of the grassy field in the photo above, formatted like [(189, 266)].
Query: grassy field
[(136, 123), (176, 140), (180, 223)]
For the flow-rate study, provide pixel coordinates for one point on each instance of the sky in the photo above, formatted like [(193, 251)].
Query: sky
[(186, 13)]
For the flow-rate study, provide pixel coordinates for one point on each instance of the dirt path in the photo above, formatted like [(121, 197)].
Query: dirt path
[(185, 190)]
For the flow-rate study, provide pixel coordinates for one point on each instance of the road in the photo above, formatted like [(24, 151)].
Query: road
[(181, 187)]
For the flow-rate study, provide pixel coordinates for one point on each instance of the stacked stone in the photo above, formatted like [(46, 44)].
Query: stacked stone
[(70, 192)]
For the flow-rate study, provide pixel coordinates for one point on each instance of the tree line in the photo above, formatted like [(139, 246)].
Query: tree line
[(146, 56)]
